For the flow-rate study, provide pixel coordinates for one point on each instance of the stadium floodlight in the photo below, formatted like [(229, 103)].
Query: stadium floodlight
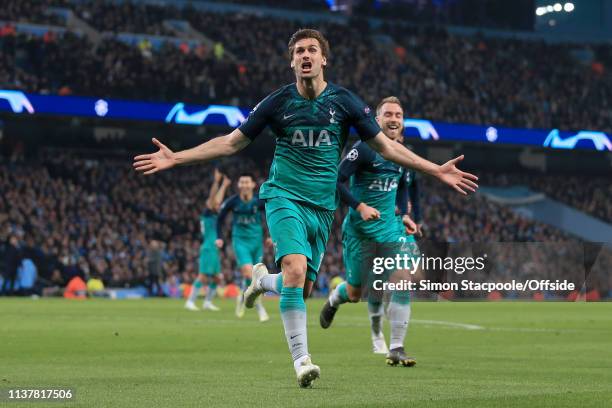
[(540, 11), (101, 107), (557, 7), (568, 7), (550, 9), (491, 134)]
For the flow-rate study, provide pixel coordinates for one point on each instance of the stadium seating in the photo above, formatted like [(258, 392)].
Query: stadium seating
[(107, 231), (438, 75)]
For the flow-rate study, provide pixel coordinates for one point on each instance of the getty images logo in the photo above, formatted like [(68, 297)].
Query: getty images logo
[(599, 139), (177, 114), (17, 100), (424, 127)]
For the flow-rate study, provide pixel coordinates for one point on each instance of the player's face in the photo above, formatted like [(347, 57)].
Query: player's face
[(246, 185), (391, 121), (308, 60)]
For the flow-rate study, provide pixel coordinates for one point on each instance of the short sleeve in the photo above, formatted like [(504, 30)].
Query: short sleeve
[(361, 117), (259, 118)]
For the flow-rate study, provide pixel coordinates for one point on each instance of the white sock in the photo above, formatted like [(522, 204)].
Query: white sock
[(195, 289), (298, 362), (259, 306), (210, 294), (271, 282), (399, 316), (293, 314), (339, 295)]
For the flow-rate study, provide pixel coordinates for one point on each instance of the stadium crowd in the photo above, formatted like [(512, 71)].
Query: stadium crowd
[(591, 196), (438, 75), (125, 17), (32, 11), (87, 215), (82, 214)]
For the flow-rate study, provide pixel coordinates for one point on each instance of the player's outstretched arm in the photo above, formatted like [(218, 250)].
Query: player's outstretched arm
[(218, 200), (165, 158), (214, 188), (448, 173)]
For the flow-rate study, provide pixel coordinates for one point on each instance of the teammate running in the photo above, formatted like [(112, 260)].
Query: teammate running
[(311, 119), (210, 264), (372, 229), (247, 235)]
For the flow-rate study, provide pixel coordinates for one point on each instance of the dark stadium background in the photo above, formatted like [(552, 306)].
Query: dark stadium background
[(71, 203)]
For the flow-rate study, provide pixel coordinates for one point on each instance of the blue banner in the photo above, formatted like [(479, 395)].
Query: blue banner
[(21, 103)]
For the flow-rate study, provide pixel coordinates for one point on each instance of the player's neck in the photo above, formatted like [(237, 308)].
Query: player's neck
[(311, 88), (246, 197)]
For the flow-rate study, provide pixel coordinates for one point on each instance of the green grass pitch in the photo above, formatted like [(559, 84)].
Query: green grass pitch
[(154, 353)]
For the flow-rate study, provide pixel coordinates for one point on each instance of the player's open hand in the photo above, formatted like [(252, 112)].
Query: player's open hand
[(368, 213), (457, 179), (219, 243), (409, 225), (152, 163), (226, 181)]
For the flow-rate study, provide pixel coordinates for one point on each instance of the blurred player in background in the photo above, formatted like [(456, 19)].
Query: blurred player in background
[(247, 235), (372, 229), (210, 263), (311, 119)]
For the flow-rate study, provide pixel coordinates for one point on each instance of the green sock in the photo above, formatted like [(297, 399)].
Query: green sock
[(293, 314), (212, 291), (195, 290), (375, 313)]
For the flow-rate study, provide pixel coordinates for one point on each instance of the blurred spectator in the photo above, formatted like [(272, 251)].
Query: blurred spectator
[(95, 286), (26, 278), (76, 289), (12, 260), (154, 265), (55, 286)]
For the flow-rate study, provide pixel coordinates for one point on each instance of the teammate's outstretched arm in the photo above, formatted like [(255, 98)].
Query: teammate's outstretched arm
[(165, 158), (447, 173), (214, 188), (218, 199)]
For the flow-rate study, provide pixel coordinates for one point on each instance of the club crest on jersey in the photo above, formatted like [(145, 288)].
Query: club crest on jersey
[(308, 138), (332, 112)]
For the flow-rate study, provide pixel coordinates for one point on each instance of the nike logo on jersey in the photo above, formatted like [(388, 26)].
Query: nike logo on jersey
[(285, 116), (376, 164)]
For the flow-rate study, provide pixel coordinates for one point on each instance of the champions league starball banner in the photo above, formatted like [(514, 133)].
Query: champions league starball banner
[(22, 103)]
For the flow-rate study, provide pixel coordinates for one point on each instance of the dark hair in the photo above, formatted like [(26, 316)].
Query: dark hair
[(247, 174), (304, 33)]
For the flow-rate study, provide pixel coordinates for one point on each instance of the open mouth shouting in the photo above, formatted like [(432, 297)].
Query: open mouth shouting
[(306, 67)]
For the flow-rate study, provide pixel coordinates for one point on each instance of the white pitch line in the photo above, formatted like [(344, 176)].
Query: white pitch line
[(449, 324)]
